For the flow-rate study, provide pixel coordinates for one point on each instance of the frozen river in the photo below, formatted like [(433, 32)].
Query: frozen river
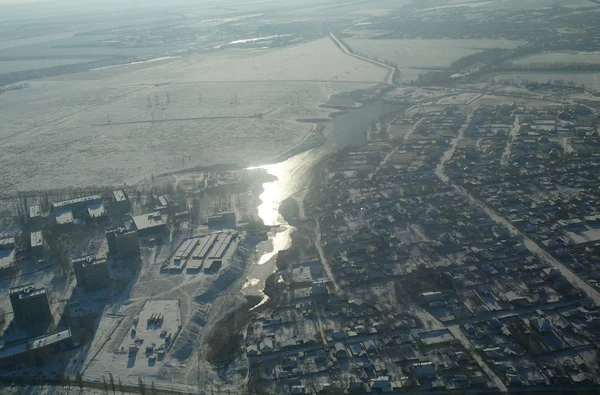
[(294, 174)]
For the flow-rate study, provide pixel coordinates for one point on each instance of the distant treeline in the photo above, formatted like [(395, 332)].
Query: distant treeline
[(554, 66), (50, 57), (18, 76)]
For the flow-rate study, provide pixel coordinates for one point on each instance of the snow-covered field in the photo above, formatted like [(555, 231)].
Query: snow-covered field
[(96, 127), (420, 56)]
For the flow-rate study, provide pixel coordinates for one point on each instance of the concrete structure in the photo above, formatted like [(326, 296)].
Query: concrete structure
[(7, 243), (7, 256), (151, 223), (581, 233), (67, 210), (78, 204), (64, 217), (35, 350), (96, 210), (227, 218), (123, 243), (29, 304), (424, 370), (35, 216), (35, 211), (120, 202), (91, 272), (37, 243)]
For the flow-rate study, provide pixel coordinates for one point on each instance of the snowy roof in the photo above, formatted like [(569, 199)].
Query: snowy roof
[(35, 343), (96, 210), (7, 258), (148, 221), (70, 202), (89, 260), (35, 210), (424, 368), (27, 290), (7, 242), (64, 217), (540, 324), (36, 239), (120, 195)]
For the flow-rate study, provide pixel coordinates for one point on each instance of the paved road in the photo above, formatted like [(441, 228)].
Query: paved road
[(324, 260), (391, 71), (455, 330), (530, 244)]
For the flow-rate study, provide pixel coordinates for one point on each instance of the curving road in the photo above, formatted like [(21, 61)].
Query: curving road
[(389, 79)]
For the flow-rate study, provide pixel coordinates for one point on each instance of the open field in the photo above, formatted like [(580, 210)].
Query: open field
[(122, 124), (592, 57), (420, 56)]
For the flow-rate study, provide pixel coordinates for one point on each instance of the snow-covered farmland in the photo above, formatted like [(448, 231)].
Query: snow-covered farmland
[(122, 124), (420, 56)]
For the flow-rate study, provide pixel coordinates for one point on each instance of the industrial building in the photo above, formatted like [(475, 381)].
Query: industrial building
[(91, 272), (122, 243), (150, 224), (36, 349), (30, 304), (37, 243)]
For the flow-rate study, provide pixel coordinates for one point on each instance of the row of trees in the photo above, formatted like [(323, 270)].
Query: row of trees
[(550, 66)]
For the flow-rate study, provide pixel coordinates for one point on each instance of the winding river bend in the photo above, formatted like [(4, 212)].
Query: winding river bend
[(293, 175)]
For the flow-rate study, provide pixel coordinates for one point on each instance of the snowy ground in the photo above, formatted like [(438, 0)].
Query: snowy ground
[(420, 56), (156, 326), (96, 128), (201, 299)]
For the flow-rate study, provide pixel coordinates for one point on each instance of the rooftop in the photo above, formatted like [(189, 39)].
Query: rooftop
[(7, 258), (584, 236), (26, 290), (35, 211), (85, 199), (37, 239), (89, 260), (96, 210), (34, 343), (147, 221), (64, 217), (120, 195), (7, 242)]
